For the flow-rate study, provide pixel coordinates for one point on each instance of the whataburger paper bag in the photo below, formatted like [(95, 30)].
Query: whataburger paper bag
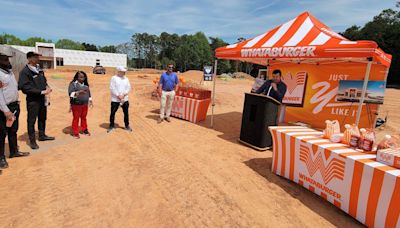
[(332, 127), (389, 157), (351, 130), (367, 139), (388, 142)]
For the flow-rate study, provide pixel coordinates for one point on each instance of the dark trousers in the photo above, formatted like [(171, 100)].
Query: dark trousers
[(36, 110), (114, 108), (11, 132)]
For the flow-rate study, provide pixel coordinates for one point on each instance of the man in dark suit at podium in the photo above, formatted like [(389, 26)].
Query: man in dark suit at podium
[(274, 88)]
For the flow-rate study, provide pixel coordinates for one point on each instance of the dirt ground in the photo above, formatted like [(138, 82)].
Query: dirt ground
[(174, 174)]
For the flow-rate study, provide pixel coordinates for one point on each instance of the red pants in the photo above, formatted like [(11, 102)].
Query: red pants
[(79, 112)]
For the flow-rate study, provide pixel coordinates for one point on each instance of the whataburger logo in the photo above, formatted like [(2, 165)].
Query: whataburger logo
[(207, 69), (329, 168), (178, 107), (292, 82), (279, 52)]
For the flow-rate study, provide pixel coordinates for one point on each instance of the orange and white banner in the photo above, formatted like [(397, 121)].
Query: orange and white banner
[(190, 109), (313, 90), (351, 180)]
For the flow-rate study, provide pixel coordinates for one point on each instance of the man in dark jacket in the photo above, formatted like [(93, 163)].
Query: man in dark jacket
[(274, 88), (9, 111), (33, 83)]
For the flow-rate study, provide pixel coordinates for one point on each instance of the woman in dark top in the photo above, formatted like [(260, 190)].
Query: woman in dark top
[(80, 99)]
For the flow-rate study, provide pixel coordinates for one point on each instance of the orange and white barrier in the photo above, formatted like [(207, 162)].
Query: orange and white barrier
[(190, 109), (351, 180)]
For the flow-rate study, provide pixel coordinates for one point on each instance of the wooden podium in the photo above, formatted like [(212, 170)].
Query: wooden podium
[(259, 112)]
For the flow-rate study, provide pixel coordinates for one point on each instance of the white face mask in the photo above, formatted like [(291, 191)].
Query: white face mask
[(34, 69)]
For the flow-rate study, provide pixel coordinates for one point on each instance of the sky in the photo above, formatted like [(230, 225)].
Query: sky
[(106, 22), (373, 86)]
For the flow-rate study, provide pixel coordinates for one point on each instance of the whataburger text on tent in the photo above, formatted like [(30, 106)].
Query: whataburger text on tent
[(305, 51)]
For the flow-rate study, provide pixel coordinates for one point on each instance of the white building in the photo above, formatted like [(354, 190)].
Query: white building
[(53, 57)]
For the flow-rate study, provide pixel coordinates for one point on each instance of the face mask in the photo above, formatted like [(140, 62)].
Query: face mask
[(6, 67)]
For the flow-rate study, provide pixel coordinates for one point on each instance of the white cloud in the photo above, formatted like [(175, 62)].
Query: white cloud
[(112, 22)]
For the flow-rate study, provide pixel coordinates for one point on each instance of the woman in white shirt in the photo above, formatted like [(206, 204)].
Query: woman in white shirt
[(120, 88)]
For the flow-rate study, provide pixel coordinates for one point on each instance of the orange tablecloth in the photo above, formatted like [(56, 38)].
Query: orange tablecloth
[(351, 180), (190, 109)]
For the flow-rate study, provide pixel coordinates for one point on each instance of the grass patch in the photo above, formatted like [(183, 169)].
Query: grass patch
[(57, 76)]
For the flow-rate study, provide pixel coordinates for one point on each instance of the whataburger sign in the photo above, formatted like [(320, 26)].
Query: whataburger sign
[(289, 52), (304, 44)]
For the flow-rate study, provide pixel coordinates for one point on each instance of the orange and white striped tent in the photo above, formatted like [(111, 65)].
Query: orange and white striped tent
[(303, 39)]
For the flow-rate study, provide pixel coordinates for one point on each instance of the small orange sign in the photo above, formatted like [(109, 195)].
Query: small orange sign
[(296, 86)]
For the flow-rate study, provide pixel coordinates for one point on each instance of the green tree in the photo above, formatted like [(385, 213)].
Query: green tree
[(109, 49), (10, 39), (89, 47), (203, 49), (146, 49), (352, 33), (137, 49), (181, 54), (193, 52), (151, 51), (69, 44), (385, 30), (165, 61), (168, 43), (224, 66), (13, 40), (32, 41)]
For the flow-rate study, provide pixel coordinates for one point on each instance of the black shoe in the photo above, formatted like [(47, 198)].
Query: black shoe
[(33, 145), (3, 163), (86, 132), (46, 138), (110, 129), (128, 129), (19, 154)]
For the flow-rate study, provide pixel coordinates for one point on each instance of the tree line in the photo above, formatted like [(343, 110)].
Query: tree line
[(385, 30), (62, 43), (186, 52), (193, 51)]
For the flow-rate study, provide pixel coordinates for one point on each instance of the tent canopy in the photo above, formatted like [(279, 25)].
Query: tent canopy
[(303, 39)]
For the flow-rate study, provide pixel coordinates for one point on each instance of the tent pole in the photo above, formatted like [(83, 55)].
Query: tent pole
[(213, 92), (378, 108), (364, 90)]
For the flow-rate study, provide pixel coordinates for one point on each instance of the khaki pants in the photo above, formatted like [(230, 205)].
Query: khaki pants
[(166, 106)]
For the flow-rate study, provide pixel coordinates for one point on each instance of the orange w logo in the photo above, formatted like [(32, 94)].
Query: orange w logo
[(292, 82), (334, 168)]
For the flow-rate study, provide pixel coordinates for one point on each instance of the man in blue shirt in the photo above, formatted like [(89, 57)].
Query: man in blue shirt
[(274, 88), (167, 86)]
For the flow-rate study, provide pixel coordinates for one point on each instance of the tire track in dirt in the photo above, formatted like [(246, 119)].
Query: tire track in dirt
[(197, 200)]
